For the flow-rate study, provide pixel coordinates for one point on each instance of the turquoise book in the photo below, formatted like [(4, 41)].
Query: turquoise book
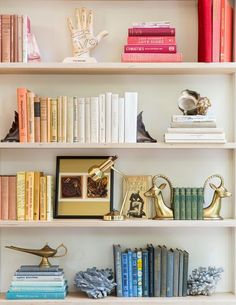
[(37, 289), (194, 203), (182, 203), (157, 271), (176, 204), (188, 203), (170, 274), (117, 269), (15, 295), (125, 283), (140, 272), (130, 273), (200, 201), (163, 270), (145, 273)]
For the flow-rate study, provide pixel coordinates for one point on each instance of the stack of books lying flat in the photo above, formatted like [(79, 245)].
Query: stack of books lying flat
[(34, 282), (151, 42), (194, 129)]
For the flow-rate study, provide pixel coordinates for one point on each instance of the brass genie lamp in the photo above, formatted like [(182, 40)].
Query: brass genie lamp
[(44, 252)]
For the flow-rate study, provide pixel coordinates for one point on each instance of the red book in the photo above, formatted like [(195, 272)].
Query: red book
[(226, 31), (12, 198), (151, 40), (216, 17), (4, 197), (151, 31), (135, 48), (204, 30), (151, 57), (22, 110)]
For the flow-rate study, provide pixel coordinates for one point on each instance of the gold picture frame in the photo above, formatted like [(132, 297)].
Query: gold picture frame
[(77, 195)]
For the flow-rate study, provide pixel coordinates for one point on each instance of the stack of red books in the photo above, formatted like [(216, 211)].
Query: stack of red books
[(151, 42)]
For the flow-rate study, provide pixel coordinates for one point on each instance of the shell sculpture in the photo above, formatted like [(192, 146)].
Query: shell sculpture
[(96, 283), (203, 281)]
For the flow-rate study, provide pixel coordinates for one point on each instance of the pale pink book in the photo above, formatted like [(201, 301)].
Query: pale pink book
[(216, 30), (4, 197), (0, 197), (234, 33), (12, 198), (226, 31)]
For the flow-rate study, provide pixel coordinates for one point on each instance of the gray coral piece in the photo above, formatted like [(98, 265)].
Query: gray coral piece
[(203, 281), (96, 283)]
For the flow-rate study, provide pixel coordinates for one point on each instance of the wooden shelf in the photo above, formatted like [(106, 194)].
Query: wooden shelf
[(99, 223), (160, 145), (118, 68), (217, 299)]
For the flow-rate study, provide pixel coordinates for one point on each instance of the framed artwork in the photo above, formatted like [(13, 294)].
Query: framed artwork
[(136, 203), (77, 195)]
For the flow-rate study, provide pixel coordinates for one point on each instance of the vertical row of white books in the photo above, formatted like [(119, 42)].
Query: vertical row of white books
[(194, 129), (106, 118)]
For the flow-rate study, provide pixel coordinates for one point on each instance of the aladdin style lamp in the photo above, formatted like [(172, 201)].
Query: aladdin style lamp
[(97, 172)]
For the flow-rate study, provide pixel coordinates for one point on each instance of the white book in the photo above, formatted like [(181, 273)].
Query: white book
[(114, 118), (38, 278), (108, 117), (131, 111), (64, 119), (81, 120), (121, 119), (59, 119), (87, 121), (26, 27), (102, 118), (75, 119), (94, 119), (193, 118), (192, 136), (38, 283), (193, 124), (194, 130), (49, 207), (70, 113), (195, 141)]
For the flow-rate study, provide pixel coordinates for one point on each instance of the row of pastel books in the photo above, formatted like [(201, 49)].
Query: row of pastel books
[(107, 118), (150, 272), (194, 129), (151, 42), (33, 282), (188, 203), (26, 196), (17, 42)]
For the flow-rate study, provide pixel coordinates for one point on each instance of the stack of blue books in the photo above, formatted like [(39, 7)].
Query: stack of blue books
[(34, 282)]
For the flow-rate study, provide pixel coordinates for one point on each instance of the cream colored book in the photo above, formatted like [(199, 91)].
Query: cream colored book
[(94, 119), (102, 118), (50, 197), (59, 119), (43, 120), (115, 118), (30, 116), (108, 116), (37, 176), (20, 195), (29, 196), (53, 120), (75, 119), (64, 119), (70, 113), (87, 121), (81, 120), (48, 119), (43, 198)]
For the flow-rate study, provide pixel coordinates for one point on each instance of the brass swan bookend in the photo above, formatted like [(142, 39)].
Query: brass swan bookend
[(44, 252)]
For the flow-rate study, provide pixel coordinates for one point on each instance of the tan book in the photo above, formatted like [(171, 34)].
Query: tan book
[(53, 120), (59, 119), (15, 38), (12, 198), (30, 116), (43, 198), (20, 195), (29, 196), (6, 38), (12, 38), (22, 110), (36, 119), (48, 119), (0, 44), (64, 119), (37, 176), (4, 197), (20, 39), (70, 124), (43, 120), (50, 196)]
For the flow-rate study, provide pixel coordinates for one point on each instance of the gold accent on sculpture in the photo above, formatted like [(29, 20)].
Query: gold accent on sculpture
[(44, 252), (162, 210), (213, 210)]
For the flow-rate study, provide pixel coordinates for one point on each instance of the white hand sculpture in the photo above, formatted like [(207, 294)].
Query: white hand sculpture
[(83, 39)]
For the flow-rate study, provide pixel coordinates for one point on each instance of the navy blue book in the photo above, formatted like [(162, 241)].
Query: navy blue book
[(145, 275), (134, 274), (125, 285), (157, 271), (130, 273), (117, 269), (170, 274), (185, 272), (163, 270), (150, 249)]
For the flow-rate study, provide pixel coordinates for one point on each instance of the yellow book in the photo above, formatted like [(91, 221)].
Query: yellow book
[(50, 196), (43, 198), (20, 195), (37, 176), (29, 196), (49, 118), (53, 120)]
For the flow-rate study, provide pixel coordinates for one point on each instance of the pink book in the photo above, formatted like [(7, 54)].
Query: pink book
[(151, 57), (12, 198), (4, 197), (151, 40), (226, 31), (136, 48), (151, 31), (216, 16)]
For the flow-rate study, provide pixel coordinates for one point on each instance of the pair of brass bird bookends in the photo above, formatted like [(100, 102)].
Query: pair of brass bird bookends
[(44, 252)]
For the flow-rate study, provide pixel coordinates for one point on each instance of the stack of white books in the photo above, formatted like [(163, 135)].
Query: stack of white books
[(194, 129)]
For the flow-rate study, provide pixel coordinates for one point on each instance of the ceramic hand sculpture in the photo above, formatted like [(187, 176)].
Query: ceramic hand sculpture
[(83, 39)]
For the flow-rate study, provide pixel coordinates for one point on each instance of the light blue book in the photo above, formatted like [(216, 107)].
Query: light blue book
[(145, 273), (38, 273), (125, 285), (37, 289), (140, 272), (134, 274), (170, 274), (130, 273), (35, 295), (39, 283)]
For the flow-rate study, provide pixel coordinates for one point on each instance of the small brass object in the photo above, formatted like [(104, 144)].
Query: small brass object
[(45, 253)]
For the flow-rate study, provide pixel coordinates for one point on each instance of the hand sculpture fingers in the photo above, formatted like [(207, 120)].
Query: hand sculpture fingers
[(101, 35), (78, 19), (70, 25), (83, 16), (90, 22)]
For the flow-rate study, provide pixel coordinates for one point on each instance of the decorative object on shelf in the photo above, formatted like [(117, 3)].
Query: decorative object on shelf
[(13, 134), (44, 252), (96, 283), (83, 39), (191, 103), (162, 210), (97, 172), (203, 280), (143, 135), (77, 194), (213, 210)]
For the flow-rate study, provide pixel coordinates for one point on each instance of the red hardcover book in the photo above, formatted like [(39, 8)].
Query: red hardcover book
[(151, 57), (151, 31), (216, 17), (4, 197), (12, 198), (151, 40), (22, 110), (135, 48), (226, 31), (204, 30)]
